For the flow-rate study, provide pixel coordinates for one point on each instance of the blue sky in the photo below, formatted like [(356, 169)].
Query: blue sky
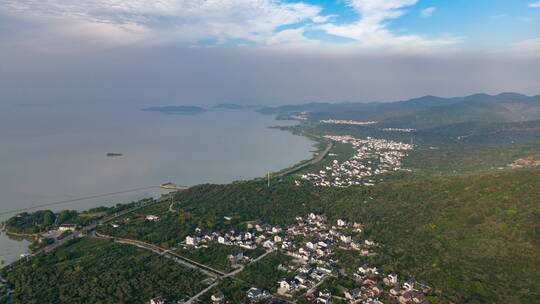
[(479, 23), (371, 25), (265, 51)]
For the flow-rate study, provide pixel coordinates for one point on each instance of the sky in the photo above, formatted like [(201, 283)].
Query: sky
[(139, 52)]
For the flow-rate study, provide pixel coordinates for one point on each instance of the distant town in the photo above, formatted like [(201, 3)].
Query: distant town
[(348, 122), (372, 157)]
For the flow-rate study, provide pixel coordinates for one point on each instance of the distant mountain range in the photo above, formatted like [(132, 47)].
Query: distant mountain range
[(424, 112)]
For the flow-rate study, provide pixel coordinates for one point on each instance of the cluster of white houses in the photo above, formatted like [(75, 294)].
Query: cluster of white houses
[(408, 130), (348, 122), (372, 157), (312, 242)]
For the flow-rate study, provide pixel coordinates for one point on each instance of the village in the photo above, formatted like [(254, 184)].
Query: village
[(312, 243), (408, 130), (348, 122), (372, 157)]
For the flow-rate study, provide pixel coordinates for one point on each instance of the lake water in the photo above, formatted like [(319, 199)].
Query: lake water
[(52, 153)]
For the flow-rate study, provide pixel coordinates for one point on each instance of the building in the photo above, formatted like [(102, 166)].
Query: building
[(67, 227), (236, 258), (157, 300), (190, 240), (218, 298), (341, 223), (153, 218)]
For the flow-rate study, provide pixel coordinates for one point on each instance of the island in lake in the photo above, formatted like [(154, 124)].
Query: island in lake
[(177, 109)]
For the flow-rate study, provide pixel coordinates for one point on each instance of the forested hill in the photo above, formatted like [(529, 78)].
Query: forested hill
[(473, 133), (475, 238), (491, 110), (424, 112)]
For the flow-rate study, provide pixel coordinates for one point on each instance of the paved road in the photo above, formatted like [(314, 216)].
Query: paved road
[(79, 233), (230, 274), (195, 297), (92, 226), (311, 162), (241, 268), (314, 288), (167, 252)]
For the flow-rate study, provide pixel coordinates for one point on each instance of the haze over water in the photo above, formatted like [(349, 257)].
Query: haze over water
[(53, 153)]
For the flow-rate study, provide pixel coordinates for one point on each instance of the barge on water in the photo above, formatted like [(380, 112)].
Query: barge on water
[(112, 154)]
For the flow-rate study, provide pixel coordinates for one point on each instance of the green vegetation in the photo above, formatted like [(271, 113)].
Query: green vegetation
[(458, 221), (474, 238), (31, 223), (45, 220), (494, 110), (452, 160), (340, 152), (40, 243), (95, 271), (215, 255), (171, 228), (424, 112), (265, 273), (233, 290)]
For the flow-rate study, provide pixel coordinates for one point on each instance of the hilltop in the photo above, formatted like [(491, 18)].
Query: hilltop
[(424, 112)]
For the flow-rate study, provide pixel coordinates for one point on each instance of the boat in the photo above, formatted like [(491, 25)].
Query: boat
[(172, 186), (111, 154)]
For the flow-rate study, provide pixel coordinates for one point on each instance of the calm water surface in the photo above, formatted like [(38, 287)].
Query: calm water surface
[(51, 153)]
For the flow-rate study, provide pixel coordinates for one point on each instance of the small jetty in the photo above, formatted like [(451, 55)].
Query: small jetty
[(172, 186)]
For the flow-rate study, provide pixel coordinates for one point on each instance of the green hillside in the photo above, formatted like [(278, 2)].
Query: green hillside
[(95, 271), (497, 110), (453, 135), (476, 239), (423, 112)]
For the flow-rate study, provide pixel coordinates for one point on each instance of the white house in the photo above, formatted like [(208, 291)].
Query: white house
[(151, 217), (67, 227), (191, 240), (345, 238), (217, 297), (268, 244), (341, 223), (158, 300), (286, 285)]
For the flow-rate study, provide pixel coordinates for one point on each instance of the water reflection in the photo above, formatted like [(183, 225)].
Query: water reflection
[(52, 154)]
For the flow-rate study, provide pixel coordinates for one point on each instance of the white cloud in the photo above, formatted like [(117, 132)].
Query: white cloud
[(427, 12), (246, 22), (371, 30), (535, 4), (180, 20), (527, 48), (322, 19), (291, 37)]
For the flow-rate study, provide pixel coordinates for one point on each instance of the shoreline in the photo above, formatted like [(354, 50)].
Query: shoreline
[(317, 143)]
